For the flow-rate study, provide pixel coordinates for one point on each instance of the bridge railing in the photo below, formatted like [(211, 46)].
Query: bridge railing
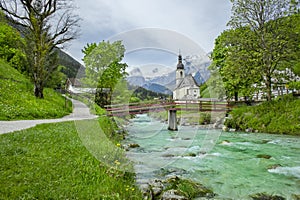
[(139, 108)]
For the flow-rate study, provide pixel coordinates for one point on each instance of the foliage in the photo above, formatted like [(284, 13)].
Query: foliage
[(18, 102), (215, 86), (204, 90), (264, 39), (101, 57), (46, 25), (234, 62), (280, 116), (144, 94), (103, 68), (294, 85), (49, 161), (11, 44), (205, 118), (57, 78)]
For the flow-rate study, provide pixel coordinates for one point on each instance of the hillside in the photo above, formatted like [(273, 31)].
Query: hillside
[(18, 102), (280, 116), (73, 67)]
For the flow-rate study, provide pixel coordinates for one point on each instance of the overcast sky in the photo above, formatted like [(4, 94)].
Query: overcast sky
[(199, 21)]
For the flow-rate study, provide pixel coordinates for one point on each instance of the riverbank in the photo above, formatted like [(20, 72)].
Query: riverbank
[(280, 116)]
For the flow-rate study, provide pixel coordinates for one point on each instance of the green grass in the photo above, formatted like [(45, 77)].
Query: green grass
[(52, 161), (17, 100), (280, 116)]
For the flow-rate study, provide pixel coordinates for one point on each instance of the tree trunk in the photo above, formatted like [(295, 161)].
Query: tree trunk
[(268, 87), (236, 96), (39, 90)]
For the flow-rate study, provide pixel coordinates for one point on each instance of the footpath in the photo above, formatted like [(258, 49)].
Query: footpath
[(80, 112)]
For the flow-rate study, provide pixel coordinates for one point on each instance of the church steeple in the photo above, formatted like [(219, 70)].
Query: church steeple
[(179, 71), (179, 64)]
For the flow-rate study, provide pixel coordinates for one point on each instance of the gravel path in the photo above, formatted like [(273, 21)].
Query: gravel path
[(80, 112)]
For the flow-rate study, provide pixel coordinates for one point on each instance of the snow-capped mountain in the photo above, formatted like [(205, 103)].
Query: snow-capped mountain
[(161, 79)]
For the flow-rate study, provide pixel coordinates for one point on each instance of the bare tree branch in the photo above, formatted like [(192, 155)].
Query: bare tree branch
[(37, 17)]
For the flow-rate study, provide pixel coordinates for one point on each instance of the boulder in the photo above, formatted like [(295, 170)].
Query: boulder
[(265, 156), (263, 196), (249, 130), (274, 166), (156, 187), (225, 128), (133, 145), (172, 195)]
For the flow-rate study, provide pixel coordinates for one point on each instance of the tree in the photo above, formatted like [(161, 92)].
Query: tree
[(104, 68), (11, 44), (234, 59), (273, 33), (45, 25)]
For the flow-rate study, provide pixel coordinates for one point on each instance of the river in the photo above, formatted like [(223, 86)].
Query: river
[(233, 165)]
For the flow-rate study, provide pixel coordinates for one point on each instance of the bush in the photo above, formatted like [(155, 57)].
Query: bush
[(280, 116), (205, 118)]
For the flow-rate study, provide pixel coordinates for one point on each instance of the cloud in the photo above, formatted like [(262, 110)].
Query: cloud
[(200, 20)]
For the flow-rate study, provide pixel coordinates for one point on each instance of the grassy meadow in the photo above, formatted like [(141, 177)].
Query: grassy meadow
[(52, 161), (17, 100)]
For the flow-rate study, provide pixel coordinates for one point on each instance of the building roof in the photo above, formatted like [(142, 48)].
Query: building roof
[(188, 81)]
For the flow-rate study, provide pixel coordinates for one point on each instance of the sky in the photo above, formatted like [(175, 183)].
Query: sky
[(153, 31)]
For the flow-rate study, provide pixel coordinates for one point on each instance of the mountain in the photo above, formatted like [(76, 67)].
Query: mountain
[(164, 80), (157, 88), (73, 67)]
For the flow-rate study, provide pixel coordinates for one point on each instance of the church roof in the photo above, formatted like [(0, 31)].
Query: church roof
[(188, 81)]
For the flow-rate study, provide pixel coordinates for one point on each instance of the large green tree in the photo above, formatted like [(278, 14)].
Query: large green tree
[(273, 35), (104, 68), (234, 59), (45, 25)]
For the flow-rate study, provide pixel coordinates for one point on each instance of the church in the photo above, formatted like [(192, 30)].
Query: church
[(186, 87)]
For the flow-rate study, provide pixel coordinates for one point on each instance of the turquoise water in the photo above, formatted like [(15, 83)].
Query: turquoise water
[(233, 165)]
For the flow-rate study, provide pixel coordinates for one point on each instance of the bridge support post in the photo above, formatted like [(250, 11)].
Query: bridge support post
[(172, 120)]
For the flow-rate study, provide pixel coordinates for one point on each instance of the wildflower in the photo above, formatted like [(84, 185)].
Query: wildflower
[(117, 162)]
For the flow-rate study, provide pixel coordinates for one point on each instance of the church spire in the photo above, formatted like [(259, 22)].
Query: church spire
[(179, 64)]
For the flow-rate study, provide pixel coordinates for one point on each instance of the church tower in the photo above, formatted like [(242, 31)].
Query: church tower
[(179, 71)]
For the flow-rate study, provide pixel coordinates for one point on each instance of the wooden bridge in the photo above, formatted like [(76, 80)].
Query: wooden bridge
[(171, 107), (141, 108)]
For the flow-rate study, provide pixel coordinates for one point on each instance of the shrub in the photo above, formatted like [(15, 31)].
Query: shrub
[(280, 116), (205, 118)]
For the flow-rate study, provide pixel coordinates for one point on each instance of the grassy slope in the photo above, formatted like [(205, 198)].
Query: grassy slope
[(50, 162), (281, 116), (18, 102)]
